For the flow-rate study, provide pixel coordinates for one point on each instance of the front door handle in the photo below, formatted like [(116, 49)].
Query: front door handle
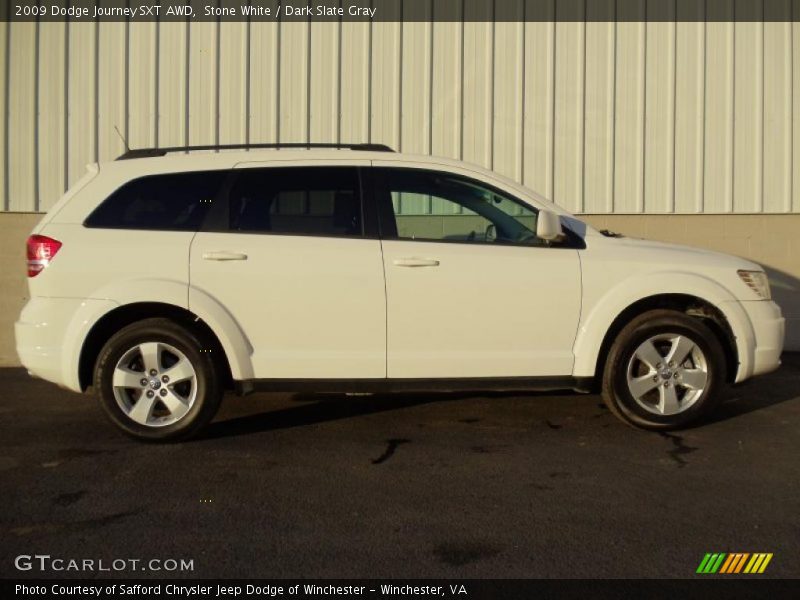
[(416, 262), (224, 256)]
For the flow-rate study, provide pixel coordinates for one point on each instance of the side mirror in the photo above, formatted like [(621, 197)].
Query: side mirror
[(548, 226)]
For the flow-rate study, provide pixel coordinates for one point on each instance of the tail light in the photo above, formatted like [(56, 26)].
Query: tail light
[(41, 250)]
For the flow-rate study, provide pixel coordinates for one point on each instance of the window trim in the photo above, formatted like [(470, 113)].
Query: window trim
[(388, 221)]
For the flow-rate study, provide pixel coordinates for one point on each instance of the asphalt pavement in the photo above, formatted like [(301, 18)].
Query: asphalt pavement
[(396, 486)]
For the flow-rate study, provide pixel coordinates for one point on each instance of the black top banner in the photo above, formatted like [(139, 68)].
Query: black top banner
[(401, 10)]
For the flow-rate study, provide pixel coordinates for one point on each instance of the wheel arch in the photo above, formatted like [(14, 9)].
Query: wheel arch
[(127, 314), (683, 303), (695, 296)]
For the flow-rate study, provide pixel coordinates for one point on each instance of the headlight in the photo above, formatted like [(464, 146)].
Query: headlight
[(758, 282)]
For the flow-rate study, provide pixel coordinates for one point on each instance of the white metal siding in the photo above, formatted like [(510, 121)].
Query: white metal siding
[(630, 117)]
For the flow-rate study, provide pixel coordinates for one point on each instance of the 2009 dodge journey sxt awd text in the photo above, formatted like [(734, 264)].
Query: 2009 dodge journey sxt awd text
[(166, 278)]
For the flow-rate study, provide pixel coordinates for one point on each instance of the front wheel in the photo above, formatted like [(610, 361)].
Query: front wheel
[(664, 370), (156, 381)]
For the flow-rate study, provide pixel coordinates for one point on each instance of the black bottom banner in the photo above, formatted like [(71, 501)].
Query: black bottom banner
[(400, 588)]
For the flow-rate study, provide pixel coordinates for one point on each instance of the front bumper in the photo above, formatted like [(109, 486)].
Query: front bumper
[(769, 328)]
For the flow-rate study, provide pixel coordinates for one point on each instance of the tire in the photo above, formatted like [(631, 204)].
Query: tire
[(668, 394), (174, 409)]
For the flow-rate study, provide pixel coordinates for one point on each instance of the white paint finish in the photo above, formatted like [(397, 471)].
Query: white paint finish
[(778, 116), (603, 127), (50, 333), (320, 312), (52, 113), (157, 269), (349, 325), (619, 272), (500, 284), (22, 163), (497, 290)]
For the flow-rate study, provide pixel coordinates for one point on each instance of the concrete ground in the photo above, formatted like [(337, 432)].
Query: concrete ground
[(404, 486)]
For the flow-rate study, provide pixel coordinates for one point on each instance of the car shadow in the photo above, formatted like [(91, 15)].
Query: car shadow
[(310, 409), (761, 392)]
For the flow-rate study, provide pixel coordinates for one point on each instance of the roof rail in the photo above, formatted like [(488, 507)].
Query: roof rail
[(152, 152)]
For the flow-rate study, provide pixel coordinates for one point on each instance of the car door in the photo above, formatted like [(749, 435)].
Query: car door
[(471, 291), (289, 259)]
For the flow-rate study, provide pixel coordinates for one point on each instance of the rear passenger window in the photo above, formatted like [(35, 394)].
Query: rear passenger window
[(297, 200), (173, 202)]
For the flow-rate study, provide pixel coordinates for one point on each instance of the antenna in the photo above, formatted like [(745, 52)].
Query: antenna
[(124, 141)]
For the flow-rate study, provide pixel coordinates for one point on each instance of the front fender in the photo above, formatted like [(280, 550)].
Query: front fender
[(604, 311)]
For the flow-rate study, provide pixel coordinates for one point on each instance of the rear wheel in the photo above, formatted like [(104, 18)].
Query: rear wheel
[(156, 382), (664, 370)]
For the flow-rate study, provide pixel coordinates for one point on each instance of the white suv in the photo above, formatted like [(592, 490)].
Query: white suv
[(164, 279)]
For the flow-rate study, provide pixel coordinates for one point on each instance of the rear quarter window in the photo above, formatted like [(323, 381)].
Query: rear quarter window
[(171, 202)]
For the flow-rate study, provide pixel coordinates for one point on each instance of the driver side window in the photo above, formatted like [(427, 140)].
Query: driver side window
[(438, 206)]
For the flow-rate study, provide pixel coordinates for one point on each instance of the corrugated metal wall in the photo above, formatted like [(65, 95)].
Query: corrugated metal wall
[(602, 117)]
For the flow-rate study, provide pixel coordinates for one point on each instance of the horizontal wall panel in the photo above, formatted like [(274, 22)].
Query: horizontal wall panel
[(675, 115)]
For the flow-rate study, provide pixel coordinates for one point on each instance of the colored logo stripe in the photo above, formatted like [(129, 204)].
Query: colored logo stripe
[(758, 563), (734, 563), (721, 562), (710, 563)]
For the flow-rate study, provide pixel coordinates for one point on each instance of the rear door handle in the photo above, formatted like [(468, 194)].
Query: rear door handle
[(224, 256), (416, 262)]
